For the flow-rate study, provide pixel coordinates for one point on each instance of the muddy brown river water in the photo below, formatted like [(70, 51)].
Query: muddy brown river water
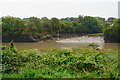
[(76, 42)]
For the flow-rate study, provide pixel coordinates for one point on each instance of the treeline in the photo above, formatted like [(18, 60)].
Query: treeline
[(112, 33), (34, 25)]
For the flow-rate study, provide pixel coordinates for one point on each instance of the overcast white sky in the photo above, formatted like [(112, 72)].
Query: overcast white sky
[(59, 8)]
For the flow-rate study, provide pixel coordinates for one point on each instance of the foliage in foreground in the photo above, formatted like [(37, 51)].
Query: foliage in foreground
[(58, 63)]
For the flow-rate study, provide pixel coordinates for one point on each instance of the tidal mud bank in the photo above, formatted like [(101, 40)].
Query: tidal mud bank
[(35, 37), (25, 37)]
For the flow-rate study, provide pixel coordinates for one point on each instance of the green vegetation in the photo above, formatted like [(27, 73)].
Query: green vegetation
[(112, 33), (59, 63), (34, 25), (97, 34), (37, 29)]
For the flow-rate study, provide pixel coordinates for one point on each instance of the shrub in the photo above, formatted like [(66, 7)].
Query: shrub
[(10, 59)]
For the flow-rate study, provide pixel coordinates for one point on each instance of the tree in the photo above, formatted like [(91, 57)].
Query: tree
[(67, 27), (69, 19), (56, 25), (80, 19), (9, 24), (47, 27), (37, 23), (21, 26), (91, 24), (111, 19), (100, 19), (30, 28), (44, 19), (78, 28), (112, 33)]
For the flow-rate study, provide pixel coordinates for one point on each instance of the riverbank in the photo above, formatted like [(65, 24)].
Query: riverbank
[(25, 37), (34, 37), (60, 63), (46, 37), (112, 38), (95, 35)]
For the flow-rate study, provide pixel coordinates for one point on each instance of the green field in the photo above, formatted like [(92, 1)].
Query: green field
[(60, 63)]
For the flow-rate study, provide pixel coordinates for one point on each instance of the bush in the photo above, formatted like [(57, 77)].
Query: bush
[(58, 63), (10, 59)]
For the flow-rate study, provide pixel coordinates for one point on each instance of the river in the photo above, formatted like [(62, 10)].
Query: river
[(76, 42)]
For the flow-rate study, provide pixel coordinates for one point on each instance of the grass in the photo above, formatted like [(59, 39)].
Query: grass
[(96, 34), (60, 63)]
